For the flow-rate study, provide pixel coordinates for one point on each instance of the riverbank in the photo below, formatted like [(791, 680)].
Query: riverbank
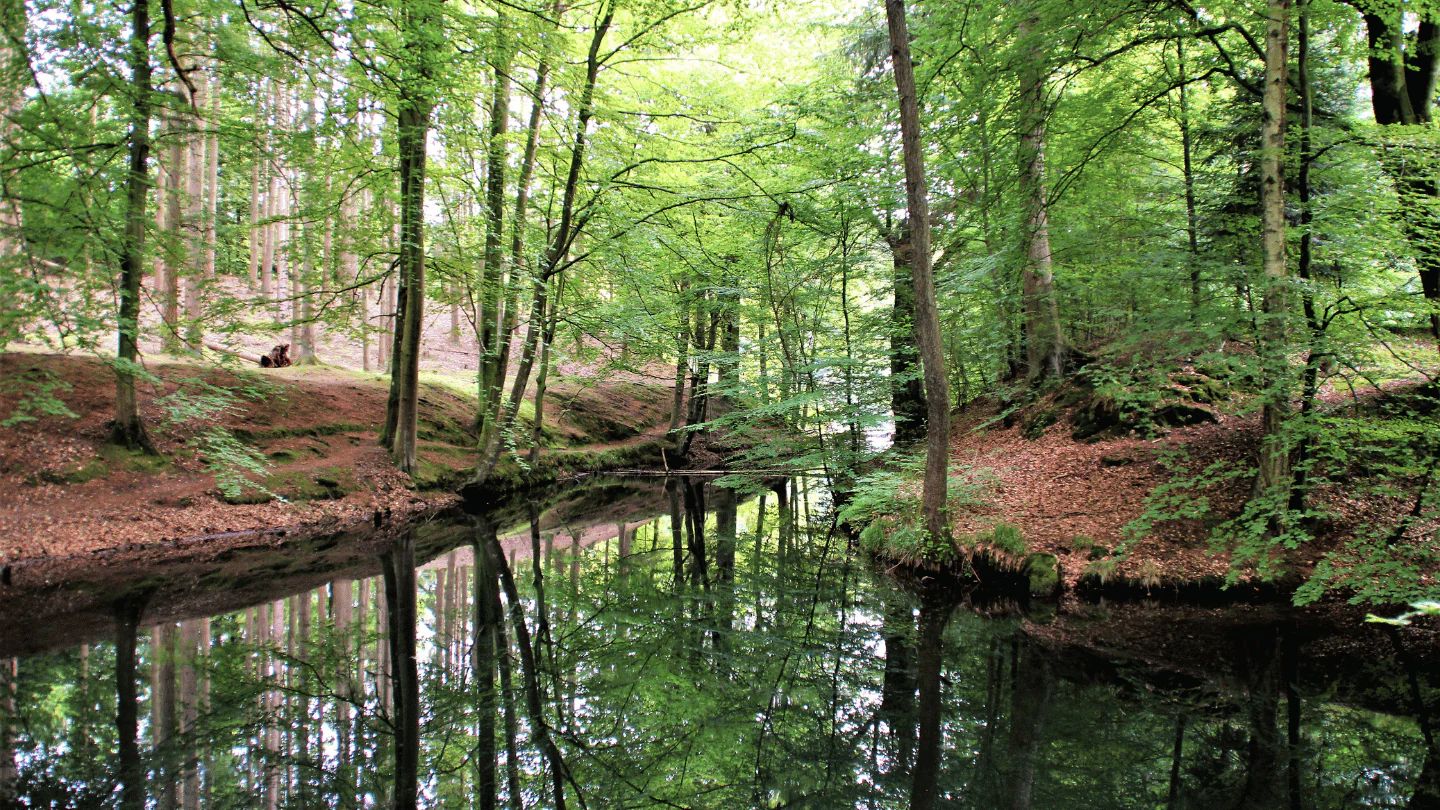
[(310, 432), (1043, 497)]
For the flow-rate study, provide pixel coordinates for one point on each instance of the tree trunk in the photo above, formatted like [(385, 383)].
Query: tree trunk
[(927, 318), (414, 124), (529, 669), (682, 358), (128, 430), (212, 179), (907, 384), (1044, 341), (492, 292), (1192, 220), (400, 602), (925, 783), (487, 619), (564, 234), (1275, 473), (127, 697)]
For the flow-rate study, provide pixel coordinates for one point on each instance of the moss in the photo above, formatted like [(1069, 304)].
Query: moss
[(1043, 571), (324, 484), (335, 428), (89, 471)]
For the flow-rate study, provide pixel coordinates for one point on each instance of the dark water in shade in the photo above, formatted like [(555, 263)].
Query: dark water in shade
[(682, 646)]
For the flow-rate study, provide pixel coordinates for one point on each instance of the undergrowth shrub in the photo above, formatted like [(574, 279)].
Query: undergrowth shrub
[(885, 508), (194, 412)]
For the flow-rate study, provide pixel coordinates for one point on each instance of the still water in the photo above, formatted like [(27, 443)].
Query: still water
[(637, 644)]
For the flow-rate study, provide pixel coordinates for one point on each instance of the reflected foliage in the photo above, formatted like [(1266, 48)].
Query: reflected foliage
[(712, 649)]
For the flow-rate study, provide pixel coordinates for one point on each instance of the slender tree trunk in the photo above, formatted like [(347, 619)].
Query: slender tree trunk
[(1275, 472), (212, 179), (414, 125), (924, 786), (487, 617), (492, 291), (927, 318), (682, 358), (127, 429), (565, 233), (1044, 340), (196, 164), (1310, 383), (540, 727), (1192, 219)]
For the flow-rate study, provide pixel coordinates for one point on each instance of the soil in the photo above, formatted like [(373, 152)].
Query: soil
[(67, 500)]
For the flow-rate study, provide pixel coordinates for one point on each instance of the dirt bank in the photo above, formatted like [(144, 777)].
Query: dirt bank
[(1074, 499), (65, 495)]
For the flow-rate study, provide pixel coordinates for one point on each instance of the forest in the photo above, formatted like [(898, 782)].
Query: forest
[(380, 381)]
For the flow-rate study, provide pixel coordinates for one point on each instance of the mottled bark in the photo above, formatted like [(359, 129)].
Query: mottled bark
[(1275, 471)]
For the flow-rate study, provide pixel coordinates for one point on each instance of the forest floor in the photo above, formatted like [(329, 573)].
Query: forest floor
[(67, 495), (1076, 499)]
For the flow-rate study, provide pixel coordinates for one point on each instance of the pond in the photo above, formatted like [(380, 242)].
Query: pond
[(674, 643)]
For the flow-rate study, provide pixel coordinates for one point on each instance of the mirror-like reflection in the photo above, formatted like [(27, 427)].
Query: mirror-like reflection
[(679, 644)]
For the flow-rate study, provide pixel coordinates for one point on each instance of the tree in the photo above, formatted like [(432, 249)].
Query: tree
[(127, 429), (927, 317), (422, 37), (1275, 473)]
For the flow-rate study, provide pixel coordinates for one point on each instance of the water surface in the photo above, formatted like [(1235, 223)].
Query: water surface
[(680, 645)]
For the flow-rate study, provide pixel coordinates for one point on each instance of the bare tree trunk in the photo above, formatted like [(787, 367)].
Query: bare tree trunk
[(564, 236), (173, 248), (927, 318), (189, 713), (127, 429), (162, 711), (400, 599), (196, 165), (1275, 473)]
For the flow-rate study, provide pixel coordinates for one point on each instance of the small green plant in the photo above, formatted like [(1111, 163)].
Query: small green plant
[(39, 397), (1007, 538), (1103, 570), (238, 467)]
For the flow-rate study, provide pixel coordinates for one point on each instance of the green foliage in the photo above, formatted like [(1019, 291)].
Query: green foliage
[(195, 410), (885, 508), (39, 397)]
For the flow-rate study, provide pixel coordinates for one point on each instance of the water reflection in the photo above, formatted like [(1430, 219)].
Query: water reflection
[(682, 645)]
